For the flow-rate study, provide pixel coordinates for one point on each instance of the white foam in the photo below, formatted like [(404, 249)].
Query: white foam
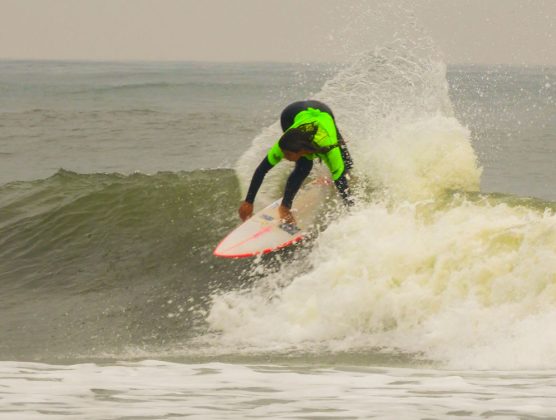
[(154, 390), (470, 285)]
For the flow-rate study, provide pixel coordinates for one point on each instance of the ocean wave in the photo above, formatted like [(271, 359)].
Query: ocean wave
[(77, 216), (92, 252)]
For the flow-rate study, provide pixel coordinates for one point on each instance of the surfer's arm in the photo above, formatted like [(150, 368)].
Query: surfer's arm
[(302, 169), (246, 208), (335, 163), (274, 156), (257, 180)]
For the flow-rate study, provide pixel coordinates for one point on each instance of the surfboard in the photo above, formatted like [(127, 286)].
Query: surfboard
[(264, 232)]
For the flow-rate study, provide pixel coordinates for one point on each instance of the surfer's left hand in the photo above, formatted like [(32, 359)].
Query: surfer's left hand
[(286, 214), (245, 210)]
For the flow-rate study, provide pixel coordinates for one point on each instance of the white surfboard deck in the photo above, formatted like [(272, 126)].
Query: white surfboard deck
[(264, 232)]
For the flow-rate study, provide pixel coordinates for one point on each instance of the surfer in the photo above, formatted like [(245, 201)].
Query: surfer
[(309, 132)]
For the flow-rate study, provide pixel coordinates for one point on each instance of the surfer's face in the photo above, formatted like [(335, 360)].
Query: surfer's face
[(294, 156)]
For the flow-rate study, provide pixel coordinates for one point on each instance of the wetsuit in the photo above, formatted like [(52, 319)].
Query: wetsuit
[(327, 135)]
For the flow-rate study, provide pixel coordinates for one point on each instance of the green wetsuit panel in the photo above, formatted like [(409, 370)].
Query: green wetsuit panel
[(325, 136), (275, 154)]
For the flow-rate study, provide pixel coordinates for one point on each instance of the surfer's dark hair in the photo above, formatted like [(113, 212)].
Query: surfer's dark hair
[(301, 138)]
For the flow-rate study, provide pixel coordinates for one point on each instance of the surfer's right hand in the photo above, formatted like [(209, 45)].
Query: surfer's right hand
[(245, 210)]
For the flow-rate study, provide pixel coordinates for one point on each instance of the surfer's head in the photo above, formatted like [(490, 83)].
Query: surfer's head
[(298, 142)]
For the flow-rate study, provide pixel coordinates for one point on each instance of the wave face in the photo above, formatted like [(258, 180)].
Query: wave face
[(425, 265), (100, 262)]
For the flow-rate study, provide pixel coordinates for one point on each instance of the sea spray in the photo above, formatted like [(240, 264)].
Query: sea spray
[(425, 265), (393, 108)]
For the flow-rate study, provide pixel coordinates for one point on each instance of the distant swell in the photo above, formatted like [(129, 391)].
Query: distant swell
[(51, 114), (146, 86), (132, 86)]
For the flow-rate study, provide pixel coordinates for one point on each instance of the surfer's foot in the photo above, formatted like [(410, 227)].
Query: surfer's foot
[(286, 215)]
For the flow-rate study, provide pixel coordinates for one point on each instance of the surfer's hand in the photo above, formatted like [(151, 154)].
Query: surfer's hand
[(286, 214), (245, 210)]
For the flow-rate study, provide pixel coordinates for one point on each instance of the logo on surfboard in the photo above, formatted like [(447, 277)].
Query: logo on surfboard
[(289, 228)]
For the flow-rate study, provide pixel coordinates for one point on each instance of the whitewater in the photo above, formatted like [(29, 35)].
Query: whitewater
[(422, 253)]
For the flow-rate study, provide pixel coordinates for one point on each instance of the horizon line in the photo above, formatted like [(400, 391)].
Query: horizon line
[(194, 61)]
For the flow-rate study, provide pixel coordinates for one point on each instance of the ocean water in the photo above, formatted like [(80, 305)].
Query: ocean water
[(433, 298)]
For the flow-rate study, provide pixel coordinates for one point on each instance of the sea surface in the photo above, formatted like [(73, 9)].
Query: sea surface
[(434, 297)]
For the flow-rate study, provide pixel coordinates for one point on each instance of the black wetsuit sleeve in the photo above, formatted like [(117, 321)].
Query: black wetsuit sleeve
[(343, 188), (257, 179), (302, 169)]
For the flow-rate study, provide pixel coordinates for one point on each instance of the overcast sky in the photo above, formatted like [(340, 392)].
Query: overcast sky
[(464, 31)]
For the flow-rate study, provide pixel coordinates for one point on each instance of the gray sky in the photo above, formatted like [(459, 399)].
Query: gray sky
[(464, 31)]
